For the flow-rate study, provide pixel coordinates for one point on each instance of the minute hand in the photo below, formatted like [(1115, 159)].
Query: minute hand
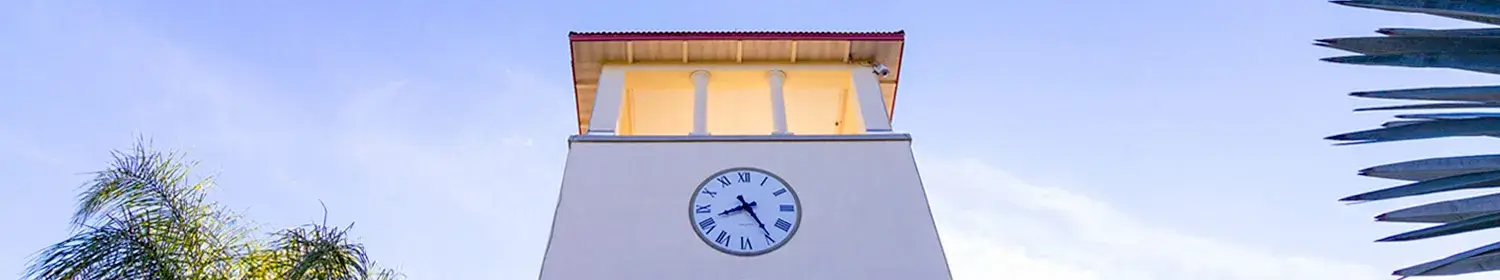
[(736, 208), (752, 214)]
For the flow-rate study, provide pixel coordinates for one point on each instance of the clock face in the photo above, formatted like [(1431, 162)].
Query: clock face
[(745, 211)]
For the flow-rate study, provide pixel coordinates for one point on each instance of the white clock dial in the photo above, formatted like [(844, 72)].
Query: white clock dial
[(745, 211)]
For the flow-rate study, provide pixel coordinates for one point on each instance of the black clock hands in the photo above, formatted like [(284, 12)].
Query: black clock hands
[(746, 206), (736, 208)]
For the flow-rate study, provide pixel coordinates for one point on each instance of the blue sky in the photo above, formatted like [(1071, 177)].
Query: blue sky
[(1116, 139)]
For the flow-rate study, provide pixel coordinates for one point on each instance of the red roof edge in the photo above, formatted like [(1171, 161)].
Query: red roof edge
[(898, 35)]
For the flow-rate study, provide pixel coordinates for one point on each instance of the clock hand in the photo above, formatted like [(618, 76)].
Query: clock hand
[(752, 213), (736, 208)]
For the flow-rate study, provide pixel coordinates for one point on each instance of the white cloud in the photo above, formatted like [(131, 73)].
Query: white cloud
[(995, 226)]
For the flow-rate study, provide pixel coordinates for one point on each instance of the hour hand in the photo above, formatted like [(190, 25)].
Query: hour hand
[(736, 209)]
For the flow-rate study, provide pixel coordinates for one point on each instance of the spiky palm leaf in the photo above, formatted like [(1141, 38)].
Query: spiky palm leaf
[(318, 251), (142, 219), (385, 274), (1464, 49)]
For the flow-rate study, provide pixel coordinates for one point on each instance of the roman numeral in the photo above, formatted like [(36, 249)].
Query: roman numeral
[(763, 180), (723, 238), (770, 240), (702, 209), (745, 244), (783, 225), (788, 208), (710, 193), (778, 192), (744, 177), (724, 181), (707, 224)]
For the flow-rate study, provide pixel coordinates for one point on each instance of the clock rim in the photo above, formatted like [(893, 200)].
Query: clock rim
[(693, 222)]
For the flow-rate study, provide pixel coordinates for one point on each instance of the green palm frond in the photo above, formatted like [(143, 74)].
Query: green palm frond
[(140, 180), (318, 251), (112, 251), (384, 274), (142, 219)]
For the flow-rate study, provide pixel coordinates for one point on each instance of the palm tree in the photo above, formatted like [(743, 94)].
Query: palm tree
[(142, 218), (1469, 49)]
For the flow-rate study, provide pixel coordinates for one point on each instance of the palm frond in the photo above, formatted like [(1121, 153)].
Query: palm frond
[(142, 219), (140, 179), (318, 251), (119, 249), (139, 218), (383, 274)]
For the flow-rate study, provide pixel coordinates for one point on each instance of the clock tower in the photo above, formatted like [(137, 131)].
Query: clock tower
[(740, 155)]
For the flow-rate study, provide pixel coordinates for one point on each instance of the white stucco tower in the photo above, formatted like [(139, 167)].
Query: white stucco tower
[(740, 155)]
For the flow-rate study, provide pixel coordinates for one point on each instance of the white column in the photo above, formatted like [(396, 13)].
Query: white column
[(778, 101), (607, 101), (700, 102), (871, 101)]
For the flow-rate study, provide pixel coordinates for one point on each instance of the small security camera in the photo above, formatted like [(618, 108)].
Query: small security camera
[(881, 70)]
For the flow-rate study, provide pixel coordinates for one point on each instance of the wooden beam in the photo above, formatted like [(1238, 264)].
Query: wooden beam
[(739, 51), (684, 51), (629, 52), (794, 51), (848, 49)]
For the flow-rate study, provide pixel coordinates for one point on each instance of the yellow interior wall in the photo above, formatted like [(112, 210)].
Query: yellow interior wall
[(818, 102), (852, 122)]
